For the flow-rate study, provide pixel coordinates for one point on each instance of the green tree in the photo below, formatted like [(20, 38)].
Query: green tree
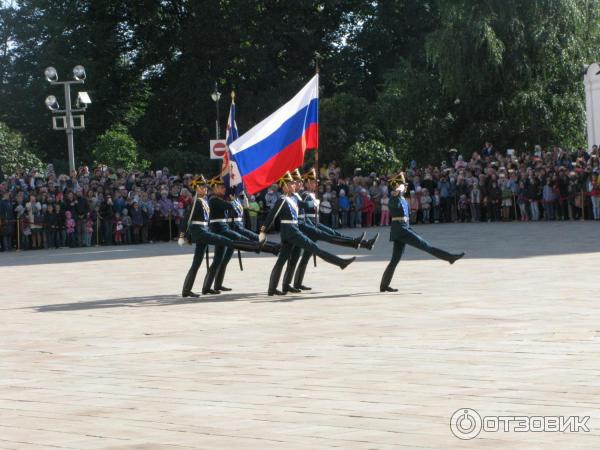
[(15, 152), (373, 156), (344, 120), (116, 148), (514, 68)]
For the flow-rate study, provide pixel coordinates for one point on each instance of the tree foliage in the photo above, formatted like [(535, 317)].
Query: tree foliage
[(116, 148), (418, 76), (15, 152), (373, 156)]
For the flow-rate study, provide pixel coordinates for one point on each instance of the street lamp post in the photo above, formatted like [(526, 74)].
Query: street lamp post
[(216, 96), (67, 120)]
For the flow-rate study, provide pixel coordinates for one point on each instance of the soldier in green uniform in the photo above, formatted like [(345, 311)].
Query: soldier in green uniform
[(198, 232), (236, 223), (221, 215), (287, 209), (401, 233), (316, 231)]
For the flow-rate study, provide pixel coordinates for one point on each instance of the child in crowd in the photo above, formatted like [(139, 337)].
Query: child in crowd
[(507, 195), (344, 204), (118, 229), (126, 219), (385, 210), (70, 229), (89, 230), (595, 196), (522, 202), (414, 206), (463, 207), (253, 211), (548, 199), (61, 233), (435, 202), (335, 210), (51, 221), (426, 205), (368, 208), (475, 202)]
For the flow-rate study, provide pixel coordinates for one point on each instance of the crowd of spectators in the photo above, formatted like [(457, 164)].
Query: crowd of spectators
[(550, 184), (114, 207)]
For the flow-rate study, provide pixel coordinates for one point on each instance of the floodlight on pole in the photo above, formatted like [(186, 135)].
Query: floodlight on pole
[(67, 121), (51, 103), (83, 99), (51, 74), (79, 73), (216, 96)]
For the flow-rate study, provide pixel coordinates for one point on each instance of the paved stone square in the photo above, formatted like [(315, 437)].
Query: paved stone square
[(98, 351)]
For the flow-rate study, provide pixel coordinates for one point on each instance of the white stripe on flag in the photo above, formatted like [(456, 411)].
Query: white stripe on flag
[(269, 125)]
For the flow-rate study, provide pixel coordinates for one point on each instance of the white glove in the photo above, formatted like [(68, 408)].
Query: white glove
[(262, 237), (181, 241)]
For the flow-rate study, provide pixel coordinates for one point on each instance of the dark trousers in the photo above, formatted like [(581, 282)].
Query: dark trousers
[(301, 241), (408, 237), (221, 258), (108, 233), (207, 237), (52, 238), (196, 263), (316, 232), (7, 243)]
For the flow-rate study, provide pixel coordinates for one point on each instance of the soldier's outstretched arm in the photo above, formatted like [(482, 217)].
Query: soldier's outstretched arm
[(218, 202)]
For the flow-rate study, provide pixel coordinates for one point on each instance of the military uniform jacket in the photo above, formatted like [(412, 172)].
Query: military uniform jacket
[(219, 214), (286, 208), (311, 206), (398, 209), (236, 214), (197, 218), (304, 204)]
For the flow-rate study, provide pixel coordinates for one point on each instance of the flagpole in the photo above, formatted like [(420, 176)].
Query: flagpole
[(317, 168)]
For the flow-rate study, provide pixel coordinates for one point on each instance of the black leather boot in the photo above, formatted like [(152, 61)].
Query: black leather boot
[(336, 260), (345, 241), (299, 276), (274, 281), (220, 276), (446, 256), (248, 246), (386, 279), (271, 247), (456, 257), (188, 284), (370, 243), (289, 288), (208, 281)]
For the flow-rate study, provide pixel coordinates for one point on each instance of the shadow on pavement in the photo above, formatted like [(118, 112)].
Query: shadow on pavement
[(523, 240), (171, 300)]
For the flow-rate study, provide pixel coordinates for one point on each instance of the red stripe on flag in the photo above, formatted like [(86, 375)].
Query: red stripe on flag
[(289, 158)]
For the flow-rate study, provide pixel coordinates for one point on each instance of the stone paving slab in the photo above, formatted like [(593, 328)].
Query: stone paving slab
[(98, 351)]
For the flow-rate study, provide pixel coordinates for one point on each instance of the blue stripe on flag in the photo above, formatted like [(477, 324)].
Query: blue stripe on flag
[(291, 130)]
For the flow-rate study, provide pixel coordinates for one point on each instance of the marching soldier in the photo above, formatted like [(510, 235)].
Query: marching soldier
[(316, 231), (291, 236), (236, 223), (198, 232), (222, 214), (401, 233)]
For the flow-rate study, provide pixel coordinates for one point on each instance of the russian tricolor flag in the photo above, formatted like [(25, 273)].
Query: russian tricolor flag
[(278, 143)]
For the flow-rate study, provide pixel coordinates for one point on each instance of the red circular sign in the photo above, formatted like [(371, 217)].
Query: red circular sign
[(220, 149)]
